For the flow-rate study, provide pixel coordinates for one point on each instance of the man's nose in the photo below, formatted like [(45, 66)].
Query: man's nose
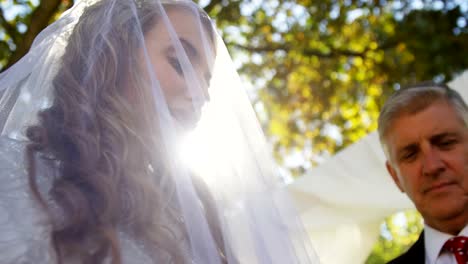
[(432, 164)]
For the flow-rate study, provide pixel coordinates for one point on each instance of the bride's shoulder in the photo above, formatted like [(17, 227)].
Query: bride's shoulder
[(23, 225)]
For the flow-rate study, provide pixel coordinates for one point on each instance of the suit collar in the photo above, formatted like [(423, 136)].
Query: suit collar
[(414, 255), (417, 252), (435, 240)]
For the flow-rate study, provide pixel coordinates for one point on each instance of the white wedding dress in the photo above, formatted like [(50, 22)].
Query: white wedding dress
[(23, 226)]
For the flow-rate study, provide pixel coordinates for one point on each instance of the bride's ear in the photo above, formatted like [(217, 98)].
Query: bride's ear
[(391, 170)]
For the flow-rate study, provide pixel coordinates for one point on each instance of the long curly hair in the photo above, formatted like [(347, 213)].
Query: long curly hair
[(101, 147)]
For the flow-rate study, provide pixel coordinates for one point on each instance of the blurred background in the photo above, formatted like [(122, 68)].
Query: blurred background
[(317, 71)]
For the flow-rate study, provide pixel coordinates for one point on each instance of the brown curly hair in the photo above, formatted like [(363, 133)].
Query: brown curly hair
[(100, 146)]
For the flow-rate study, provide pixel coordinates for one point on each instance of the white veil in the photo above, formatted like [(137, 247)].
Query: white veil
[(131, 113)]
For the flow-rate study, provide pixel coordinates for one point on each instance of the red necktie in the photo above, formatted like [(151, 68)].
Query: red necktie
[(459, 247)]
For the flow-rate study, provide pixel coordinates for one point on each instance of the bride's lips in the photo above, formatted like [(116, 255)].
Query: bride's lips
[(185, 102)]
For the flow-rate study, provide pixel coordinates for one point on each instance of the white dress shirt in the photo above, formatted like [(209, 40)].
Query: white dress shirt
[(434, 241)]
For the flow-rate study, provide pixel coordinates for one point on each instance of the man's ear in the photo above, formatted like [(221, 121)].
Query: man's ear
[(394, 175)]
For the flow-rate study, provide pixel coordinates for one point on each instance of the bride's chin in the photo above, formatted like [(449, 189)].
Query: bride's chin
[(185, 119)]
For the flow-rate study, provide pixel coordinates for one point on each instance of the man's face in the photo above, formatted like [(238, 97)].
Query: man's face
[(428, 160)]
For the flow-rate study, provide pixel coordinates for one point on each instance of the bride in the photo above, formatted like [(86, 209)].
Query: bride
[(94, 165)]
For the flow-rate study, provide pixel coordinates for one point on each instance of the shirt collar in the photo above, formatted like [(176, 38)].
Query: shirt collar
[(434, 240)]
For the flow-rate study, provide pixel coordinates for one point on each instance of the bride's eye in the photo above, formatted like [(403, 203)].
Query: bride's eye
[(176, 65)]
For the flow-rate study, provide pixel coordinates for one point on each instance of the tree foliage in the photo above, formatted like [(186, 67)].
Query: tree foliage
[(321, 69), (21, 21), (398, 233)]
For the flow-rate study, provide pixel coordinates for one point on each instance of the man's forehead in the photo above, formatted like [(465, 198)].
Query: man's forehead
[(408, 128)]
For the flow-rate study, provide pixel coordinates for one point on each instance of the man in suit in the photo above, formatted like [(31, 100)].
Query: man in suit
[(424, 133)]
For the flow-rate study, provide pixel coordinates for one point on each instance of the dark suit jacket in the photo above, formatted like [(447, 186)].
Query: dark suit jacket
[(414, 255)]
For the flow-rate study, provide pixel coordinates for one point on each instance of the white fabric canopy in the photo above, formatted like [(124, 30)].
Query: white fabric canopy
[(343, 201)]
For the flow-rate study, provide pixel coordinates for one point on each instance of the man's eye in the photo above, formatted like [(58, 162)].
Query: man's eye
[(176, 65), (447, 143), (408, 156)]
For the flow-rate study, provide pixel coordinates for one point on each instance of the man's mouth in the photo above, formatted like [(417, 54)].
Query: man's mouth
[(439, 186)]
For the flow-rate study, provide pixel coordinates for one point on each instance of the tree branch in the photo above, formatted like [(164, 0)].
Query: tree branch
[(307, 52), (40, 18), (9, 28), (315, 52)]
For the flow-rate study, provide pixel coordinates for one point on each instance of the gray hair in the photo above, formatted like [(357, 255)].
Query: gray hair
[(415, 98)]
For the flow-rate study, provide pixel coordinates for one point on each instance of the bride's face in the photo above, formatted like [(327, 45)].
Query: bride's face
[(184, 104)]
